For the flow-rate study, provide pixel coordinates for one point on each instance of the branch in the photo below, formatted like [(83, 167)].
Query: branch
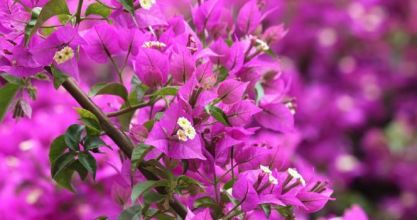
[(121, 140)]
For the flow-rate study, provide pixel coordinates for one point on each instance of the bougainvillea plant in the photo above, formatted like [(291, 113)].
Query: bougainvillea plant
[(201, 109)]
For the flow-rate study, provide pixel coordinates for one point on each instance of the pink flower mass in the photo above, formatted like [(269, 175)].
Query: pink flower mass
[(208, 109)]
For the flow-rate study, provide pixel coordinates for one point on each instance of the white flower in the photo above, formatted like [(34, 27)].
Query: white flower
[(296, 175), (183, 122), (262, 45), (190, 132), (272, 179), (181, 135), (147, 4), (265, 169), (64, 55)]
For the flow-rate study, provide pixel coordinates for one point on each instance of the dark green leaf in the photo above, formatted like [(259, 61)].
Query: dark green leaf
[(126, 118), (163, 216), (62, 162), (73, 136), (139, 154), (7, 93), (109, 89), (170, 90), (131, 213), (92, 142), (218, 114), (97, 9), (50, 9), (142, 187), (59, 77), (205, 202), (58, 147), (81, 170), (63, 178), (229, 184), (128, 5), (89, 162), (150, 197)]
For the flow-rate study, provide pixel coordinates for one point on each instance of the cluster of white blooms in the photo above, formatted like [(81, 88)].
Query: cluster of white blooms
[(186, 131)]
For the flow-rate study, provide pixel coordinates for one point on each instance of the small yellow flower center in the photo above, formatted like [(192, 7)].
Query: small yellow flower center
[(64, 55)]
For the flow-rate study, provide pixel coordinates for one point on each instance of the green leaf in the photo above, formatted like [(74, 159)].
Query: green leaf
[(59, 77), (73, 136), (267, 209), (90, 120), (218, 114), (32, 22), (7, 93), (142, 187), (205, 202), (170, 90), (50, 9), (229, 184), (63, 178), (109, 89), (139, 154), (93, 142), (126, 118), (131, 213), (81, 170), (128, 5), (286, 211), (150, 197), (58, 147), (259, 92), (12, 79), (98, 9), (62, 162), (89, 162), (41, 76)]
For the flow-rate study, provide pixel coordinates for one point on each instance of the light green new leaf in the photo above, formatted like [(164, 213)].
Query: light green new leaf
[(218, 114), (98, 9), (52, 8), (109, 89)]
